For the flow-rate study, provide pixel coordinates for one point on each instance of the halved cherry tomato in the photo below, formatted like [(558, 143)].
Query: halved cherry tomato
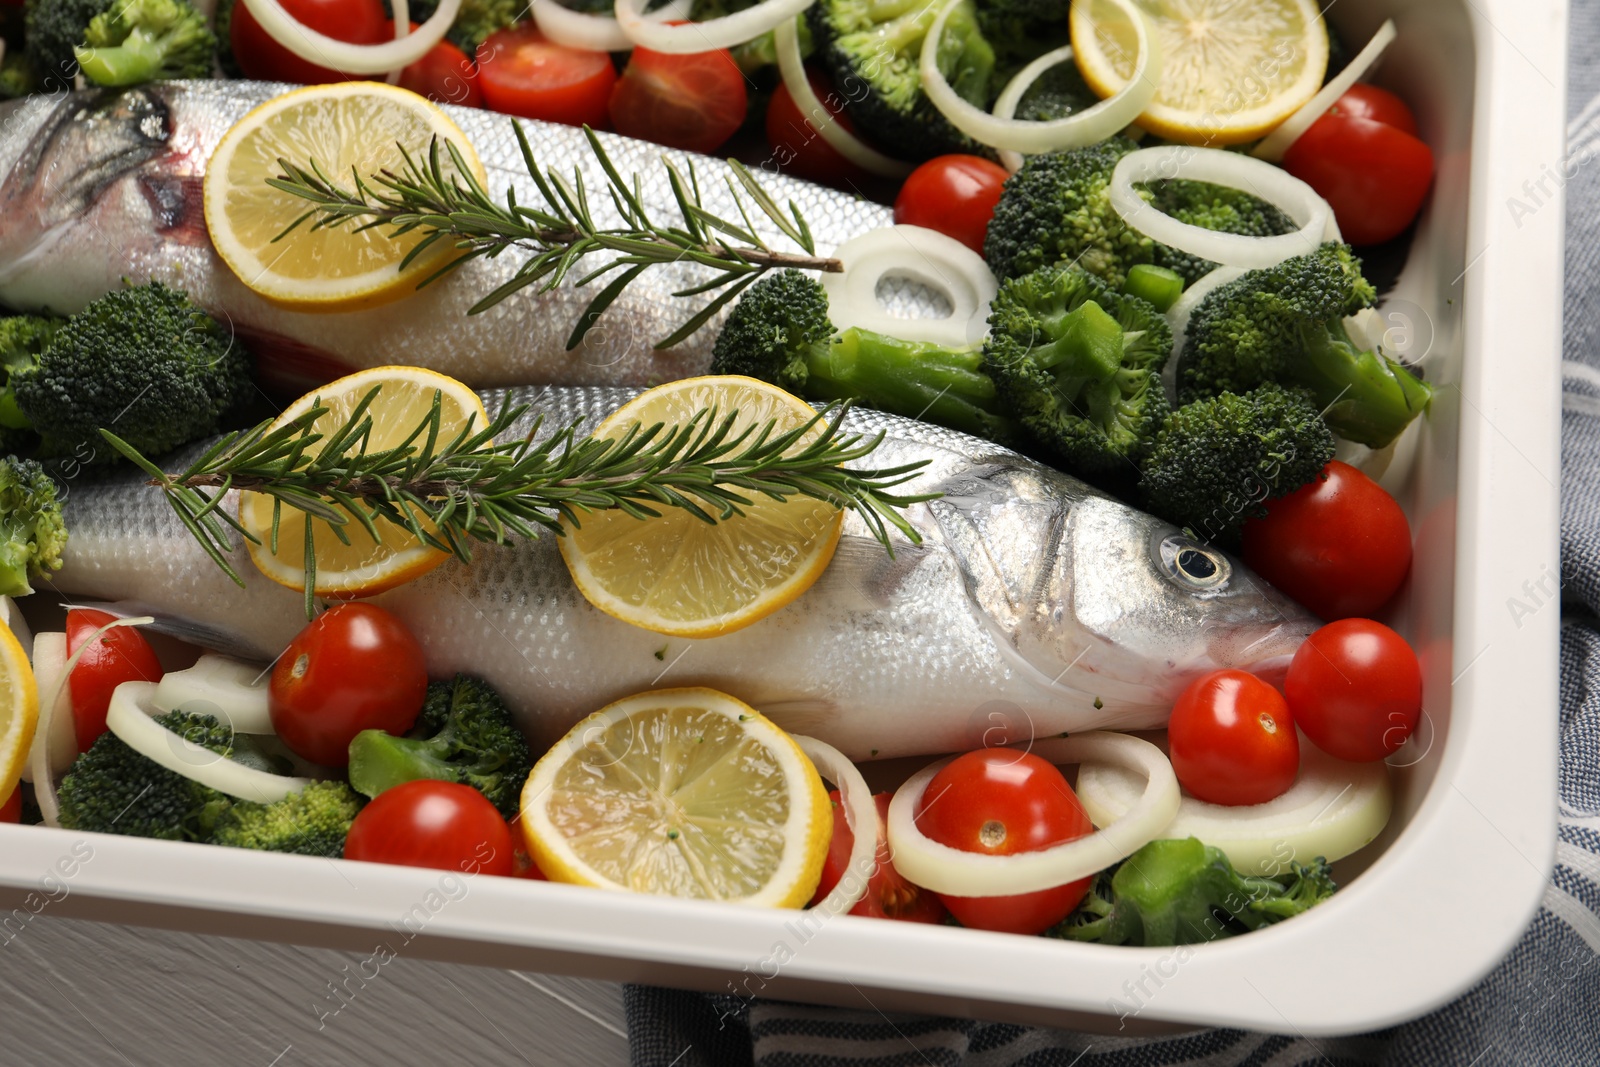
[(1339, 544), (524, 73), (445, 75), (11, 810), (355, 667), (888, 895), (120, 655), (429, 823), (1232, 739), (797, 147), (1355, 688), (1364, 157), (694, 102), (955, 195), (259, 56), (1001, 802)]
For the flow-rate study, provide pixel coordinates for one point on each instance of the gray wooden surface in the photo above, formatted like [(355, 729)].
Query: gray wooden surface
[(77, 992)]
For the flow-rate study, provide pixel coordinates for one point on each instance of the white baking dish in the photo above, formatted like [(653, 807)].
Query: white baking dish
[(1423, 914)]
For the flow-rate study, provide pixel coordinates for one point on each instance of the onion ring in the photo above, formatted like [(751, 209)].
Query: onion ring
[(724, 32), (349, 58), (1088, 126), (943, 869), (1005, 105), (924, 256), (595, 33), (791, 66), (860, 814), (1276, 143)]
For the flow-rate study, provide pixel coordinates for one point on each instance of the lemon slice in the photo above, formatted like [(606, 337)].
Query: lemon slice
[(348, 128), (680, 575), (1234, 69), (19, 711), (364, 566), (680, 792)]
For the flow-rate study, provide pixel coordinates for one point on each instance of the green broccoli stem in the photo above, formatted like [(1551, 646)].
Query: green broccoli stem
[(380, 761), (911, 378), (1365, 396), (136, 60)]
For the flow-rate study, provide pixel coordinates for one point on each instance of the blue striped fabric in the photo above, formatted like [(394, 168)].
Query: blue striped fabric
[(1541, 1006)]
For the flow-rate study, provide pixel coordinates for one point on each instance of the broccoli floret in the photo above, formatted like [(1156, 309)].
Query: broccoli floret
[(136, 41), (1216, 460), (32, 533), (466, 735), (17, 76), (1182, 892), (312, 822), (23, 339), (146, 363), (53, 29), (780, 332), (872, 49), (111, 789), (1079, 365), (1286, 324), (1058, 208)]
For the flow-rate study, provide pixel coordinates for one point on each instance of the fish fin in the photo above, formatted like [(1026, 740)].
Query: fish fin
[(205, 635), (861, 567)]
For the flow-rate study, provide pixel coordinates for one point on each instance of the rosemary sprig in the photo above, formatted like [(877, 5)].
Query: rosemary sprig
[(452, 491), (443, 204)]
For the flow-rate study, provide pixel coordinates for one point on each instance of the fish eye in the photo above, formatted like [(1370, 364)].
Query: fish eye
[(1194, 566)]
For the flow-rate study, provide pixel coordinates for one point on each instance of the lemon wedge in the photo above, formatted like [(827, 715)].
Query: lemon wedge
[(364, 566), (1234, 69), (19, 711), (680, 575), (680, 792), (350, 127)]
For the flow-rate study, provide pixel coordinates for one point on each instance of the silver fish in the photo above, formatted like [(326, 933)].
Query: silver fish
[(1033, 605), (101, 186)]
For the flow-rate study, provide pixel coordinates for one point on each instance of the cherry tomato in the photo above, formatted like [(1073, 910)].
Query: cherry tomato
[(1355, 688), (1339, 545), (522, 865), (1000, 802), (121, 655), (429, 823), (1232, 739), (797, 148), (445, 75), (11, 810), (524, 73), (1366, 160), (259, 56), (955, 195), (693, 102), (356, 667), (888, 895)]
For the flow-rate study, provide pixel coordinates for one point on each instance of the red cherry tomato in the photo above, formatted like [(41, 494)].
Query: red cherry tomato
[(888, 895), (1000, 802), (260, 57), (428, 823), (955, 195), (11, 810), (1339, 545), (694, 102), (1232, 739), (121, 655), (797, 148), (445, 75), (1367, 162), (524, 73), (1355, 688), (356, 667), (522, 865)]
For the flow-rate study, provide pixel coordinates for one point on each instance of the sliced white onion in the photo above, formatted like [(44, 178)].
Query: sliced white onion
[(53, 734), (349, 58), (11, 616), (1332, 809), (970, 874), (595, 33), (1178, 318), (860, 814), (1276, 143), (1005, 105), (926, 257), (402, 27), (129, 718), (233, 692), (724, 32), (1278, 187), (1088, 126), (791, 66), (55, 718)]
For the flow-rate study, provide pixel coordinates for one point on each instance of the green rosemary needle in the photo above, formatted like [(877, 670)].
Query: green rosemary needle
[(451, 492), (451, 204)]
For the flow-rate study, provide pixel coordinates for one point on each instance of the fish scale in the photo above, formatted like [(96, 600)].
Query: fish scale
[(1034, 605)]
